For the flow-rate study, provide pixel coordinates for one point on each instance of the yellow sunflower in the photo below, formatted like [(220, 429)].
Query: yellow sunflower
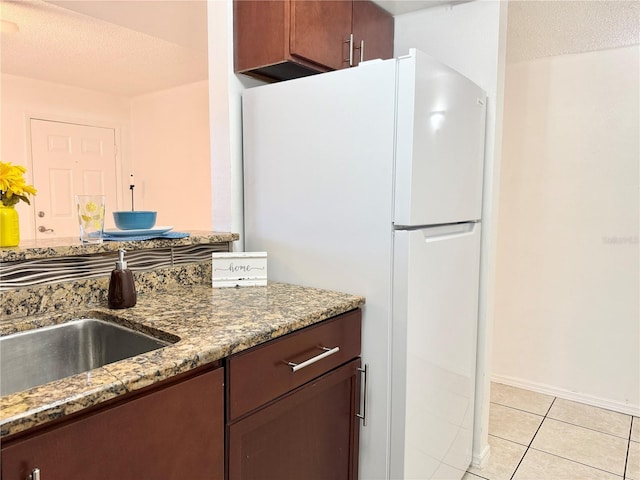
[(13, 186)]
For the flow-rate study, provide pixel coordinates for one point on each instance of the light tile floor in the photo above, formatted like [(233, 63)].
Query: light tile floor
[(541, 437)]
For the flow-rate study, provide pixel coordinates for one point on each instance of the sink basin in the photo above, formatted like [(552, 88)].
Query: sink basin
[(35, 357)]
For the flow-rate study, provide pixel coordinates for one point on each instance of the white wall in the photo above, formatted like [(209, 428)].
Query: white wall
[(23, 98), (567, 316), (470, 37), (225, 93), (170, 156)]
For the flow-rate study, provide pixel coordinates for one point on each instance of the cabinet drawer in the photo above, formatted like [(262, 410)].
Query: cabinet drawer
[(263, 373)]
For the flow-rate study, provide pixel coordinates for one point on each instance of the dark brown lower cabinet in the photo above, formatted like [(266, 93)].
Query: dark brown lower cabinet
[(310, 433), (175, 431), (293, 405)]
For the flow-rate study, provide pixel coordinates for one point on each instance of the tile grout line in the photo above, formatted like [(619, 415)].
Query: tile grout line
[(634, 421), (626, 458), (508, 440), (591, 429), (586, 428), (577, 462), (532, 438), (519, 409), (476, 475), (626, 461)]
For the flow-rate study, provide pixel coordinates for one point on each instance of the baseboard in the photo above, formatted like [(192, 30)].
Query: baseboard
[(569, 395), (479, 460)]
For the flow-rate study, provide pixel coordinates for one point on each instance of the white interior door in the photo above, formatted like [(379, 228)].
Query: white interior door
[(436, 281), (70, 159)]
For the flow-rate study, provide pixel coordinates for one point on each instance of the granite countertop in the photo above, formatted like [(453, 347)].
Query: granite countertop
[(63, 247), (211, 323)]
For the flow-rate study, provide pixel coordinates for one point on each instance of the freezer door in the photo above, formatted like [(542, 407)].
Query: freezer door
[(435, 295), (439, 144)]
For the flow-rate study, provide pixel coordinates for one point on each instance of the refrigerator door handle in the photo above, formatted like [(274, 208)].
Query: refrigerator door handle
[(445, 232)]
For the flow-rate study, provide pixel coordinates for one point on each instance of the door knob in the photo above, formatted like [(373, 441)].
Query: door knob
[(44, 229)]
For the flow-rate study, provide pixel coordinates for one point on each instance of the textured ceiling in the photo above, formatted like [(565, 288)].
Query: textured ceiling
[(557, 27), (131, 47), (162, 45), (179, 21)]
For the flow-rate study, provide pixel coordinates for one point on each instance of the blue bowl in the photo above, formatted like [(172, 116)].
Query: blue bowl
[(137, 220)]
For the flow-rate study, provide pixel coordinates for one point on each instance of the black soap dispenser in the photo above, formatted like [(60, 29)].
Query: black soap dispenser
[(122, 290)]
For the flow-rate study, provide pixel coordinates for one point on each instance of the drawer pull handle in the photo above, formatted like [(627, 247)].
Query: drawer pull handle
[(34, 475), (327, 351)]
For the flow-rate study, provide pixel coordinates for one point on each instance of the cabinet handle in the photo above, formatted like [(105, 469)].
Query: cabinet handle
[(363, 415), (361, 48), (327, 351), (350, 42), (34, 475)]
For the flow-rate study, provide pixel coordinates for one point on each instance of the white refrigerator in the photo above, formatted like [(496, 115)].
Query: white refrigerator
[(369, 181)]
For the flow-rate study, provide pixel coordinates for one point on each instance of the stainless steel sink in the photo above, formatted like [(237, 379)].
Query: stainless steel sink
[(35, 357)]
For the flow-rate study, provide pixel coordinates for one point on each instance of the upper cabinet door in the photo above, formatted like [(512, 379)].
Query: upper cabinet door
[(259, 33), (372, 32), (320, 31)]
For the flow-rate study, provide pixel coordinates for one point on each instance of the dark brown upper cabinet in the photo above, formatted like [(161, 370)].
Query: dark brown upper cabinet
[(284, 39)]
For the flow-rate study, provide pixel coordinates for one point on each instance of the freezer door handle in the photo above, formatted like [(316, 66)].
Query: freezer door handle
[(445, 232)]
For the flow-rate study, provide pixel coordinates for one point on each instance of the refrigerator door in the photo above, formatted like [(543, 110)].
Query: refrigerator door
[(435, 296), (318, 185), (439, 144)]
